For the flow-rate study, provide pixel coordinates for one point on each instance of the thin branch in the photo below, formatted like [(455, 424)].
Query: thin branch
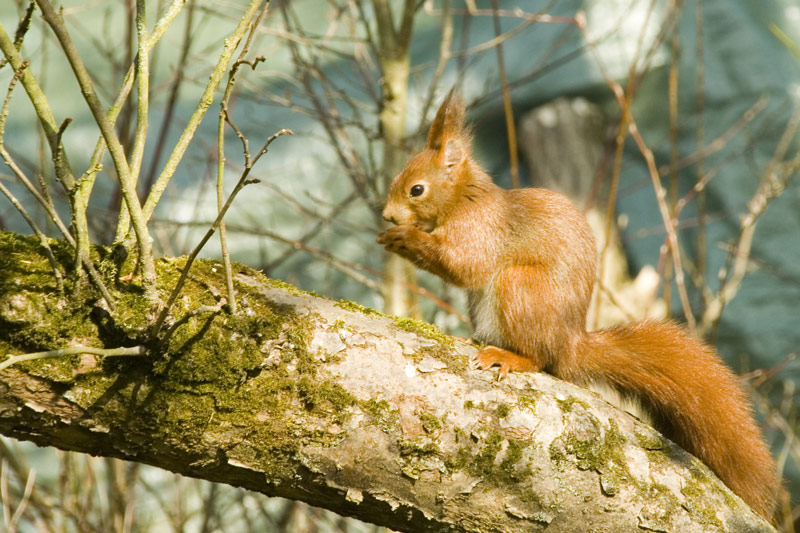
[(529, 20), (224, 116), (139, 221), (720, 142), (700, 100), (86, 182), (773, 182), (231, 43), (445, 45), (76, 350), (243, 181), (511, 130), (42, 238), (203, 309), (177, 82), (42, 108), (331, 123), (23, 503), (386, 30), (143, 91), (406, 25), (674, 153)]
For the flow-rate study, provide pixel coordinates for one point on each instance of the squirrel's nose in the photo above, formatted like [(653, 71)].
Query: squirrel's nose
[(388, 216)]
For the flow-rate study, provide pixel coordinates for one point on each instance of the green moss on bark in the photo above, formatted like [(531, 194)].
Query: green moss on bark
[(210, 381)]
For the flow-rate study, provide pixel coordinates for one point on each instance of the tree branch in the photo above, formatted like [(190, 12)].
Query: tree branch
[(367, 415)]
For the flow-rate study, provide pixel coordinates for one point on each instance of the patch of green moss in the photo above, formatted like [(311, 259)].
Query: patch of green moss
[(557, 455), (34, 314), (88, 388), (529, 399), (484, 464), (494, 459), (340, 325), (454, 361), (460, 460), (651, 440), (326, 395), (512, 468), (599, 453), (570, 402), (430, 422), (381, 413), (695, 493), (503, 410), (213, 377), (347, 305), (418, 446), (423, 329), (593, 449)]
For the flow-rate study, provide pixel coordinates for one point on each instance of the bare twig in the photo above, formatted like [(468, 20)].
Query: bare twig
[(243, 181), (773, 181), (231, 43), (16, 203), (143, 91), (12, 521), (175, 86), (445, 43), (666, 215), (76, 350), (86, 182), (42, 108), (511, 130), (716, 145), (126, 180), (224, 116), (702, 215), (203, 309), (672, 96)]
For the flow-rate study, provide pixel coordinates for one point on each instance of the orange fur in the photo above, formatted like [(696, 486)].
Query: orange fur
[(528, 262)]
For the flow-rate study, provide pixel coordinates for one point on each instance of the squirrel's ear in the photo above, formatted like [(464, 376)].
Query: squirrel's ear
[(449, 121), (453, 153)]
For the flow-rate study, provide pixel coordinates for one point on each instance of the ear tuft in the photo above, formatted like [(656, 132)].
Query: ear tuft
[(448, 123)]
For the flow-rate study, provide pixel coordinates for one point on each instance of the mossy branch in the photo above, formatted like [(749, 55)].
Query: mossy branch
[(369, 416)]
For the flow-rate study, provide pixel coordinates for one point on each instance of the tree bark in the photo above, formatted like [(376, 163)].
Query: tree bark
[(318, 400)]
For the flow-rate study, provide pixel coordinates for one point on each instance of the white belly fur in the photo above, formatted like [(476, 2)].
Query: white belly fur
[(483, 312)]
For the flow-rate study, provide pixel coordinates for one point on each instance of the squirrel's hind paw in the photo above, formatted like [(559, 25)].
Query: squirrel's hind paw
[(508, 361)]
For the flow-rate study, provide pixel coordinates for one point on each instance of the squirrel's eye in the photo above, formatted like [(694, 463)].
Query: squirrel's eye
[(416, 190)]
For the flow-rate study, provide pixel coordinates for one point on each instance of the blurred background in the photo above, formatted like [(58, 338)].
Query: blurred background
[(642, 111)]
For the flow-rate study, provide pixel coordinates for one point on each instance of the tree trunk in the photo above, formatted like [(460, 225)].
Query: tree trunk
[(323, 401)]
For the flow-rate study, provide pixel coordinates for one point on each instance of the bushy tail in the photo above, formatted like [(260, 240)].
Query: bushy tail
[(694, 397)]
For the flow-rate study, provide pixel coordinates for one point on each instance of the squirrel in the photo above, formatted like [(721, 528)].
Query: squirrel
[(527, 260)]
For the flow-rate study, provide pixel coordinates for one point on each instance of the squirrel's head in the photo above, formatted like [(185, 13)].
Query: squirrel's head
[(426, 190)]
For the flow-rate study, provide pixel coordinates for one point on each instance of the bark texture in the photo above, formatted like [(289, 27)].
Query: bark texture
[(322, 401)]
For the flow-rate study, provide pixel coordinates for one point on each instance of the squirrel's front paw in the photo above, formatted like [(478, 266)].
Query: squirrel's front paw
[(395, 239)]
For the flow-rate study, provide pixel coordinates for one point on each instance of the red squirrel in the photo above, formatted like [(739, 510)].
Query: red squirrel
[(527, 260)]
